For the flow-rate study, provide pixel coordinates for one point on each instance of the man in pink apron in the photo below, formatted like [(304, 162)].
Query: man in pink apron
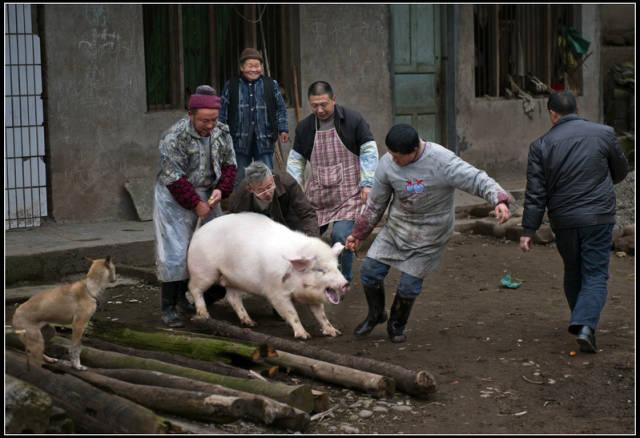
[(339, 145)]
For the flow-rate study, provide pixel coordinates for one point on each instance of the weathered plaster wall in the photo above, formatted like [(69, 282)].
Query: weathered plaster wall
[(348, 46), (495, 134), (99, 133)]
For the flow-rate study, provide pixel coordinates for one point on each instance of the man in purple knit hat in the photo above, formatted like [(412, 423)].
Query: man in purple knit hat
[(197, 170)]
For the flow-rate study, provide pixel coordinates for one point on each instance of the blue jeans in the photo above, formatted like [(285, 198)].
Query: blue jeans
[(585, 253), (243, 160), (339, 233), (373, 272)]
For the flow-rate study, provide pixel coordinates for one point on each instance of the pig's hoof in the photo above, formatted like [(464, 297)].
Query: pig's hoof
[(333, 332), (249, 323), (200, 317), (303, 335), (80, 367)]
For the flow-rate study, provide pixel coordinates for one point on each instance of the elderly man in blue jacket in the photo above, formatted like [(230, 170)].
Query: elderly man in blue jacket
[(571, 172)]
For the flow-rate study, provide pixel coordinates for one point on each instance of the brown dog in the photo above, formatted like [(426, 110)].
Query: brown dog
[(73, 304)]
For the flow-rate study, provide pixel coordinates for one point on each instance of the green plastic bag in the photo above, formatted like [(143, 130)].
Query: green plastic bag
[(509, 283)]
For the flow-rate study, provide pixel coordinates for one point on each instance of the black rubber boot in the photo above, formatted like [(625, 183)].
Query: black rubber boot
[(377, 314), (183, 305), (169, 296), (399, 315)]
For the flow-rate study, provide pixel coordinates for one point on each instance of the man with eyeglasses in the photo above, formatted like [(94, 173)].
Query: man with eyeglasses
[(275, 195)]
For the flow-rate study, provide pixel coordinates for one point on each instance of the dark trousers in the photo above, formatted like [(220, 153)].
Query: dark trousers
[(585, 252)]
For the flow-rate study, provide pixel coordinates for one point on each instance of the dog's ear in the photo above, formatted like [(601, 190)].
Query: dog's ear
[(107, 260), (89, 260)]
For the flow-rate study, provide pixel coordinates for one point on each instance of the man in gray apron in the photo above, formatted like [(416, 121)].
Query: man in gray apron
[(197, 170), (343, 155), (419, 179)]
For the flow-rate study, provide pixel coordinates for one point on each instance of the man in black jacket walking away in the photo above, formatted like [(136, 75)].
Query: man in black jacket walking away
[(571, 172)]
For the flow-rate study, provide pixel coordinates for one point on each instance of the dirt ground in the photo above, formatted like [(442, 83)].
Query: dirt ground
[(480, 342)]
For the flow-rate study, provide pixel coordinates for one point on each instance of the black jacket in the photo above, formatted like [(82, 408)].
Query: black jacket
[(351, 127), (571, 172)]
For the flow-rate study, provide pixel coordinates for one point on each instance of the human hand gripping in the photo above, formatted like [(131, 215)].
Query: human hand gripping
[(202, 210), (215, 197), (352, 243), (525, 243), (502, 213)]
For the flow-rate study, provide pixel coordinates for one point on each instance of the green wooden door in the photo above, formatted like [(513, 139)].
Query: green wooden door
[(416, 68)]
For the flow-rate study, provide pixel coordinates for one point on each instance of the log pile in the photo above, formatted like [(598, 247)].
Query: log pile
[(163, 382)]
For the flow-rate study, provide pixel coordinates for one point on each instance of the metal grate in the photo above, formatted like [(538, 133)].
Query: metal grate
[(25, 177)]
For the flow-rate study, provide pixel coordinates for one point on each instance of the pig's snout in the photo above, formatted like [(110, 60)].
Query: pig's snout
[(344, 289)]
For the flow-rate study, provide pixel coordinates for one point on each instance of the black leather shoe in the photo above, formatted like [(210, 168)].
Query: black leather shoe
[(398, 317), (377, 314), (587, 340)]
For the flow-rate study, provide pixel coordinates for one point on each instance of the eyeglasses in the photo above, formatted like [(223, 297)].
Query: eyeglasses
[(270, 187)]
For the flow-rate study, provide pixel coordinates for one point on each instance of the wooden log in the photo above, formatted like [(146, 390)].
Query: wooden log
[(196, 405), (92, 410), (320, 401), (373, 384), (298, 396), (259, 408), (27, 408), (211, 367), (417, 383), (194, 347)]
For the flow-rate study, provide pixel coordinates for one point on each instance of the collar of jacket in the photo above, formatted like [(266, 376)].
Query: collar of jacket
[(247, 81), (568, 118), (338, 114)]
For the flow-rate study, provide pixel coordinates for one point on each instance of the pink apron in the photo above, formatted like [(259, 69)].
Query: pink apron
[(334, 190)]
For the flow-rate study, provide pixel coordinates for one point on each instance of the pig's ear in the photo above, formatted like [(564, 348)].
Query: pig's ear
[(337, 248), (302, 263)]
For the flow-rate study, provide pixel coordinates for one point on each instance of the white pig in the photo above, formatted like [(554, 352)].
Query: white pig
[(249, 252)]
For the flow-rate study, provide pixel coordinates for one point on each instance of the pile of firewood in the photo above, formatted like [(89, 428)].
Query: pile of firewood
[(146, 382)]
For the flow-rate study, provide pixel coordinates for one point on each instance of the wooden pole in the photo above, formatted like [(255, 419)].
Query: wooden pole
[(202, 365), (374, 384), (92, 410), (196, 405), (417, 383), (259, 408), (298, 396)]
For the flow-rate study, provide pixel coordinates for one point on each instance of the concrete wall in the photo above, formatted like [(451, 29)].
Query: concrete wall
[(348, 46), (99, 133), (494, 134), (618, 18)]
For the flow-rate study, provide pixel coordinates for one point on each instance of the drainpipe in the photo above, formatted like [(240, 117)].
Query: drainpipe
[(453, 13)]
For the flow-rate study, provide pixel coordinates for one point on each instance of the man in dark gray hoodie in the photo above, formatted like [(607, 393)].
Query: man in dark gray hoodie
[(571, 172)]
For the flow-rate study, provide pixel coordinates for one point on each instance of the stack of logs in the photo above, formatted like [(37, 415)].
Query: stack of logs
[(155, 382)]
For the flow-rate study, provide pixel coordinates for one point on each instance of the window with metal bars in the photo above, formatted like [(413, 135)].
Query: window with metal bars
[(524, 47), (189, 45), (25, 176)]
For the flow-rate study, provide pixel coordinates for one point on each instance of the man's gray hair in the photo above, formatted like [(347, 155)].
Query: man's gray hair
[(256, 172)]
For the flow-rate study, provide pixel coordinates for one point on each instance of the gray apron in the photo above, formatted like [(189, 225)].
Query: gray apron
[(174, 226)]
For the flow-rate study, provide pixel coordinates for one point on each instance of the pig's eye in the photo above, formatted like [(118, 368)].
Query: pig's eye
[(322, 271)]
